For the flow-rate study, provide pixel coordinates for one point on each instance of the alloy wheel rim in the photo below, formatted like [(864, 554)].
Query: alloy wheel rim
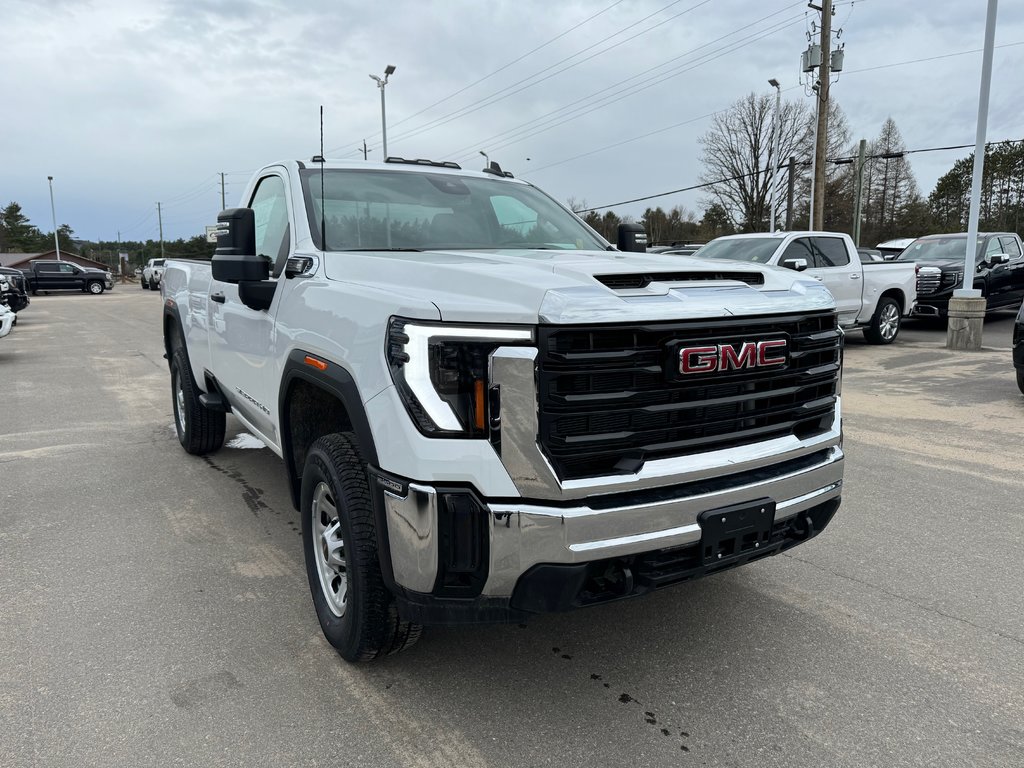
[(889, 322), (179, 399), (329, 549)]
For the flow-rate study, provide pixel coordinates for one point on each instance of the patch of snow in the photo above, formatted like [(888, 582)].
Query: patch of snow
[(245, 440)]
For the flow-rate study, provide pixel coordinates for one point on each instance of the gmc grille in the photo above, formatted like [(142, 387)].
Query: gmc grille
[(928, 280), (607, 403)]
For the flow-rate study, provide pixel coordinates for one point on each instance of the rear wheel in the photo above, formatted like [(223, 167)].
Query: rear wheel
[(1020, 381), (885, 323), (142, 282), (356, 611), (199, 429)]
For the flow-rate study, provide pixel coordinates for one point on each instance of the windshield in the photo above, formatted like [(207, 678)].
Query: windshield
[(382, 210), (938, 249), (759, 249)]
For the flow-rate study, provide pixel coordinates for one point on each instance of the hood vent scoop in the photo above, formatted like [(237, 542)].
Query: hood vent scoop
[(642, 280)]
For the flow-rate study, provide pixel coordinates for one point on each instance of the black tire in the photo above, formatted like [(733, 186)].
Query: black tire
[(360, 618), (95, 287), (143, 284), (199, 429), (1020, 381), (885, 323)]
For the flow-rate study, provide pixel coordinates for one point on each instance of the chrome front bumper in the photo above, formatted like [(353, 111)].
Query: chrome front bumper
[(524, 534)]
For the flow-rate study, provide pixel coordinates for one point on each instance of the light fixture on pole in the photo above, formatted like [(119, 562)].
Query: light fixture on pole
[(774, 151), (53, 210), (381, 82), (487, 160)]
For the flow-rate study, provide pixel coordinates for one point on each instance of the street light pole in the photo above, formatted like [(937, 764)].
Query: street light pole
[(774, 152), (53, 210), (381, 82), (487, 160)]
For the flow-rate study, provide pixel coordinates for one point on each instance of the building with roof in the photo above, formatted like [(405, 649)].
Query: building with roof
[(24, 260)]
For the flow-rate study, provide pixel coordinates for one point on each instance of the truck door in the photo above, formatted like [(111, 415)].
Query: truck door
[(998, 289), (843, 277), (242, 339), (1011, 247)]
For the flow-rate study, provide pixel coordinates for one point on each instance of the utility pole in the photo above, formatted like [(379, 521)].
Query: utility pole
[(790, 192), (774, 151), (53, 210), (160, 219), (821, 137), (858, 190), (365, 150), (223, 205)]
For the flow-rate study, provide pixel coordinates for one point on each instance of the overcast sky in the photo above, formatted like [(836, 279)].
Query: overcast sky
[(128, 102)]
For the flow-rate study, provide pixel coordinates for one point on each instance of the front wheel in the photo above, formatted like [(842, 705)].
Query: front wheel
[(356, 611), (199, 429), (1020, 381), (95, 288), (885, 323)]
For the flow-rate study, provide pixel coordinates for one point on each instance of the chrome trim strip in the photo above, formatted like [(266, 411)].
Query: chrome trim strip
[(523, 535), (513, 369), (412, 534)]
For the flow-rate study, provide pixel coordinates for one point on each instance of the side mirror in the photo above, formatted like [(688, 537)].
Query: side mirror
[(235, 259), (797, 265), (632, 238), (998, 258)]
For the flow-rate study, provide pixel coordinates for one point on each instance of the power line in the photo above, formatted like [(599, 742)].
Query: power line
[(507, 92), (930, 58), (628, 92), (768, 170), (603, 93), (506, 66), (724, 109)]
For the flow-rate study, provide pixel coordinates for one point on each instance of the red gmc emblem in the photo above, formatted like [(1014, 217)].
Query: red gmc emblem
[(727, 357)]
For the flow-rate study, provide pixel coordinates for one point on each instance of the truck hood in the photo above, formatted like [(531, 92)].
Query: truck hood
[(949, 265), (559, 287)]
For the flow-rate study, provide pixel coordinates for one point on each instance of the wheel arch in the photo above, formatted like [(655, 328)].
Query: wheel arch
[(173, 329), (313, 403), (896, 295)]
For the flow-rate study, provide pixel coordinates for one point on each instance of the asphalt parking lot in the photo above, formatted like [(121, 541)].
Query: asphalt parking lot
[(154, 609)]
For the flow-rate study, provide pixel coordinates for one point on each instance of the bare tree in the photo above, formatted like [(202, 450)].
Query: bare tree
[(738, 152)]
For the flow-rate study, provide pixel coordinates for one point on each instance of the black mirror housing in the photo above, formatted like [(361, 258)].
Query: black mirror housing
[(235, 259), (632, 238), (999, 258)]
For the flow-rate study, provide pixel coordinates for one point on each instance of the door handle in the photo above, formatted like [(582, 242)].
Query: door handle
[(855, 276), (218, 297)]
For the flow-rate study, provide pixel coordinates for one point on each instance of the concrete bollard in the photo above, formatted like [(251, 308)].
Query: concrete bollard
[(966, 319)]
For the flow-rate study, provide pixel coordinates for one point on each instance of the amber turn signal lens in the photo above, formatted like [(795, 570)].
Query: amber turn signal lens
[(478, 403), (320, 365)]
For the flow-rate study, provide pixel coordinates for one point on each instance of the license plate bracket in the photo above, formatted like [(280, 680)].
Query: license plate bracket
[(737, 531)]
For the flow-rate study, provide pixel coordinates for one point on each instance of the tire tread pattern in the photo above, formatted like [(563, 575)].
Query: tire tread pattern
[(379, 631), (204, 430)]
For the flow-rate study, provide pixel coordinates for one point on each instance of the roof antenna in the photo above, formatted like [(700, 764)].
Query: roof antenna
[(323, 202)]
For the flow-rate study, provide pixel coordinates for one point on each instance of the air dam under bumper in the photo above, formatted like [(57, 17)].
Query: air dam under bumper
[(479, 561)]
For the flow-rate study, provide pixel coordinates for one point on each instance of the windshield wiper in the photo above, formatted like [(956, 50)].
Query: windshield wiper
[(400, 250)]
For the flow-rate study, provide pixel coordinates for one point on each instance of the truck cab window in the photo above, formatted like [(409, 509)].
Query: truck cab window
[(799, 249), (68, 269), (830, 252), (271, 208), (1011, 247)]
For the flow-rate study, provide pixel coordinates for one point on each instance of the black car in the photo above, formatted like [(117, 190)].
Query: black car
[(1018, 348), (998, 270), (15, 297)]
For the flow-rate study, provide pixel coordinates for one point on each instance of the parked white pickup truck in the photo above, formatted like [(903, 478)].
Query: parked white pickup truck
[(873, 296), (485, 411)]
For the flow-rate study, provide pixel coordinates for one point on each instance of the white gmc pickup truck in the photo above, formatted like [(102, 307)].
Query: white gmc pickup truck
[(484, 410), (873, 296)]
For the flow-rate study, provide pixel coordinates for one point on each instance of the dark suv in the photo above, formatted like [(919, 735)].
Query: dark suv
[(998, 270)]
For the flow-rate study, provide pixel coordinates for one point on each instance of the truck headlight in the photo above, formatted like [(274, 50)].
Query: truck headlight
[(441, 372)]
